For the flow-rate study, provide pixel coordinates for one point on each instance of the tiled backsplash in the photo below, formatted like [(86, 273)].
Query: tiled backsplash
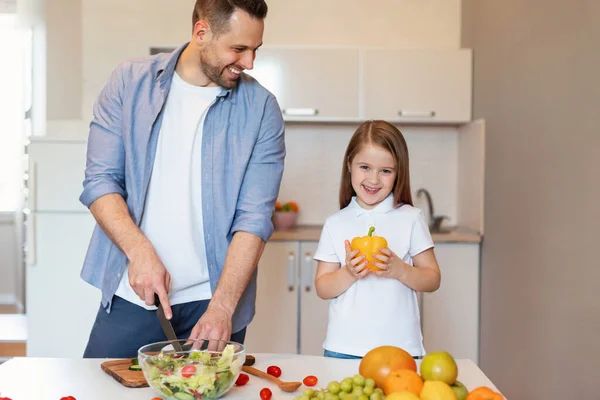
[(314, 161)]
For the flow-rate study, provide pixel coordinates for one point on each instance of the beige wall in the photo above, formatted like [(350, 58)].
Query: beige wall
[(87, 38), (536, 84), (63, 73)]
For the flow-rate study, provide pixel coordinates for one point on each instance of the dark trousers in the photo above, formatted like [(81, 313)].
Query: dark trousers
[(128, 327)]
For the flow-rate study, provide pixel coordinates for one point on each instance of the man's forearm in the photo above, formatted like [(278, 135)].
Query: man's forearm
[(112, 214), (241, 260)]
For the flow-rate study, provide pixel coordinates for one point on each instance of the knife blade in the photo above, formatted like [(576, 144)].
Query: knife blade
[(166, 325)]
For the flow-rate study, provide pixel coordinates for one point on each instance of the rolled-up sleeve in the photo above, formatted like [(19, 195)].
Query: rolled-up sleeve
[(105, 166), (261, 182)]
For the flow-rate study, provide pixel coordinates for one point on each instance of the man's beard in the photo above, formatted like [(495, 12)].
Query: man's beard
[(214, 72)]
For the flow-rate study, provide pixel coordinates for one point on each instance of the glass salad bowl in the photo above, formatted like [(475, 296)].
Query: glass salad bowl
[(203, 370)]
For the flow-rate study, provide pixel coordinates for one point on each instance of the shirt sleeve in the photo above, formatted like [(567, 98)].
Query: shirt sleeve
[(262, 179), (420, 238), (326, 248), (105, 165)]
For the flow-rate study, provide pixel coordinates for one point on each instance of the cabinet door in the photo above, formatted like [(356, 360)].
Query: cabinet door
[(316, 84), (313, 310), (60, 306), (274, 327), (421, 86), (451, 314)]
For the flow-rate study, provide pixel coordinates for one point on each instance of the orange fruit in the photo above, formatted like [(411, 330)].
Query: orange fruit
[(484, 393), (439, 366), (293, 205), (277, 206), (382, 360), (402, 396), (403, 380)]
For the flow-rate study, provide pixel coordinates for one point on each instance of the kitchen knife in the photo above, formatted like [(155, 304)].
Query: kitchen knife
[(166, 325)]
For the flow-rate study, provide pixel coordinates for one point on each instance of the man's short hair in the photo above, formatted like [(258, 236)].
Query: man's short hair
[(218, 12)]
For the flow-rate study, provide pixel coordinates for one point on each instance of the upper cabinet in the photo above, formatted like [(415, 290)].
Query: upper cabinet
[(311, 84), (417, 86)]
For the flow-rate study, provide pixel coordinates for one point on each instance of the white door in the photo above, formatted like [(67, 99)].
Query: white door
[(274, 327), (61, 307), (313, 309), (451, 314), (311, 83), (422, 86), (56, 173)]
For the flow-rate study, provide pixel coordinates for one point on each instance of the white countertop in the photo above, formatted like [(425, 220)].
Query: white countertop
[(52, 378)]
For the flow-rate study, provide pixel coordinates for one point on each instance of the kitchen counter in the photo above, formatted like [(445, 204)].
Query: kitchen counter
[(52, 378), (310, 233)]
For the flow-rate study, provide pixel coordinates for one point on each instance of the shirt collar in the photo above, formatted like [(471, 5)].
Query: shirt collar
[(381, 208), (166, 69)]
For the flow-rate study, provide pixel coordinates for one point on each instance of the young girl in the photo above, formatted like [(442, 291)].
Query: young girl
[(375, 308)]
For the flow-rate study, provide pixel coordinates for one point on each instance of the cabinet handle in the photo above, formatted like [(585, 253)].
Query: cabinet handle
[(307, 272), (30, 246), (420, 299), (300, 112), (416, 114), (291, 270)]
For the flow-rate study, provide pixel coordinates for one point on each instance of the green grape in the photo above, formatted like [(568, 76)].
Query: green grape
[(358, 380), (343, 396), (320, 395), (368, 390), (331, 396), (333, 387), (363, 397), (357, 391), (378, 390), (309, 392), (346, 385), (369, 382), (376, 396), (302, 398)]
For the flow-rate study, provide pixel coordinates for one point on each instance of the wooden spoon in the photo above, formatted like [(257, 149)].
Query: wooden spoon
[(285, 386)]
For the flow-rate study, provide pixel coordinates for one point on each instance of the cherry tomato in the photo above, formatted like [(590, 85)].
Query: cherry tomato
[(188, 371), (242, 380), (156, 398), (265, 394), (68, 398), (5, 398), (310, 380), (274, 370)]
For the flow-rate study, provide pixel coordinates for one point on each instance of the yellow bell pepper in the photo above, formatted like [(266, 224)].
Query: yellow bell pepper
[(369, 245)]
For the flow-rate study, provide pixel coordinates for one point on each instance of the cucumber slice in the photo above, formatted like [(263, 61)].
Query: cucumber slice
[(135, 368), (134, 361)]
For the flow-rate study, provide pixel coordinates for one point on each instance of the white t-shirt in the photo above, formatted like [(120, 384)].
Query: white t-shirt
[(375, 311), (172, 219)]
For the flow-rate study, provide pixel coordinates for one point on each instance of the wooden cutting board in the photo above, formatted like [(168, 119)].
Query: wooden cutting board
[(119, 369)]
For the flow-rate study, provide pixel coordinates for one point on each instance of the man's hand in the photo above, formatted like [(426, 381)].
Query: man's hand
[(148, 275), (214, 326)]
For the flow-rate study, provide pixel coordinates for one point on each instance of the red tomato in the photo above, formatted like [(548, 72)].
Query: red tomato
[(310, 380), (265, 394), (242, 380), (188, 371), (68, 398), (5, 398), (274, 370)]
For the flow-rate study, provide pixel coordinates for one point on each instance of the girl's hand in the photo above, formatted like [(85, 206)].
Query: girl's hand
[(356, 266), (391, 265)]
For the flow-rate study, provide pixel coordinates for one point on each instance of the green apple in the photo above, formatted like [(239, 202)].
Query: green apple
[(459, 390)]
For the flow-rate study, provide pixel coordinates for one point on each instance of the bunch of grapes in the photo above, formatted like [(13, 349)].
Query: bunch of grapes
[(354, 388)]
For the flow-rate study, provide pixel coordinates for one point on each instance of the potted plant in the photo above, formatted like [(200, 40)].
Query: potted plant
[(285, 216)]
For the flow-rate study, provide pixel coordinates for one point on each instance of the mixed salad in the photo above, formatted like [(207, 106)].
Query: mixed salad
[(198, 375)]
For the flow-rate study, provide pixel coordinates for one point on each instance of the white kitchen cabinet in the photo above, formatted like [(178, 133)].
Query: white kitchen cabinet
[(450, 315), (311, 84), (290, 317), (60, 306), (417, 86)]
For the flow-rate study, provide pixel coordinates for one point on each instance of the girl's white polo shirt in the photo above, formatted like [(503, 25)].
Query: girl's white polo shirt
[(375, 311)]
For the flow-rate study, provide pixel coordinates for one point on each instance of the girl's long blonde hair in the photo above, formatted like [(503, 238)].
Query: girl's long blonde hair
[(388, 137)]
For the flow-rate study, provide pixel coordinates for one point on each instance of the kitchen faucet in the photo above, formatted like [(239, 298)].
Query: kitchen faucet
[(435, 222)]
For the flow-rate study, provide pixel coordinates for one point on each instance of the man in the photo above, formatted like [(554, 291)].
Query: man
[(185, 158)]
